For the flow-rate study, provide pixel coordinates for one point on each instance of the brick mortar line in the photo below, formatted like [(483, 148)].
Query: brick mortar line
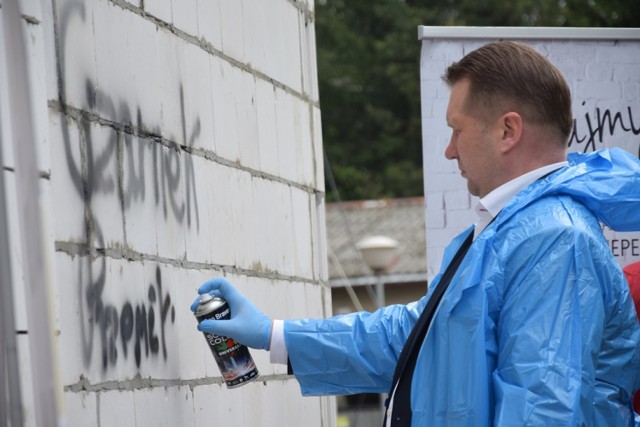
[(139, 383), (208, 47), (78, 115), (83, 250)]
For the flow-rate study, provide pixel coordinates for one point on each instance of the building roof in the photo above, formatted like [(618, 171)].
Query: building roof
[(400, 219)]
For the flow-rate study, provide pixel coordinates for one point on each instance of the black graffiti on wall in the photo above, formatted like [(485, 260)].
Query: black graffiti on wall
[(115, 171), (596, 127)]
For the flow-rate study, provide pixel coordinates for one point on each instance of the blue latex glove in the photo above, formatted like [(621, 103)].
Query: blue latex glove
[(247, 324)]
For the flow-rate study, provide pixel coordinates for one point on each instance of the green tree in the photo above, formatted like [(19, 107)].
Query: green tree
[(369, 74)]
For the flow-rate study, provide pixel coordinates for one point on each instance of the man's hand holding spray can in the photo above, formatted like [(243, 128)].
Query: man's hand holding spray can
[(230, 323)]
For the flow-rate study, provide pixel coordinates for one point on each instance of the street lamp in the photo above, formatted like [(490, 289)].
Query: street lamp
[(379, 253)]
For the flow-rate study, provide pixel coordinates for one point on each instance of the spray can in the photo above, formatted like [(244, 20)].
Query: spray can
[(234, 360)]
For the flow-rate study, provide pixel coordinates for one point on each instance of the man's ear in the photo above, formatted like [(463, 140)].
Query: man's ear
[(511, 128)]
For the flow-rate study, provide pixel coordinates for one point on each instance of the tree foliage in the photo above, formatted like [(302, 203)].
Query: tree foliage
[(368, 72)]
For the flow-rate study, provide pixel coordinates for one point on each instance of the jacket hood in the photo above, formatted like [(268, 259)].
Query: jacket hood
[(606, 181)]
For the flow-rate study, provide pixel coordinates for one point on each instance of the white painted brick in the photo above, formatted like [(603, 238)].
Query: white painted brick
[(141, 190), (267, 132), (318, 153), (629, 91), (80, 409), (223, 203), (209, 22), (301, 233), (287, 50), (155, 410), (456, 200), (185, 16), (285, 116), (599, 90), (304, 149), (172, 57), (232, 29), (624, 52), (112, 84), (210, 405), (600, 72), (245, 97), (171, 242), (435, 219), (266, 211), (224, 109), (77, 47), (197, 231), (309, 61), (66, 181), (245, 227), (627, 72), (145, 68), (102, 179), (27, 390), (118, 408), (198, 128), (160, 9)]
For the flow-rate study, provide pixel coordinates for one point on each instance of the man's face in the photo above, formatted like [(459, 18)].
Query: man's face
[(472, 143)]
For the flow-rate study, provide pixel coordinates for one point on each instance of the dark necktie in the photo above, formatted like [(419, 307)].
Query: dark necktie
[(403, 375)]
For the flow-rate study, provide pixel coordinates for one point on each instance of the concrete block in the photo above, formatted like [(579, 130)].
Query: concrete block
[(185, 16), (287, 48), (303, 142), (173, 217), (245, 227), (145, 95), (266, 127), (268, 228), (197, 111), (80, 409), (118, 408), (302, 234), (112, 83), (157, 413), (197, 229), (309, 61), (142, 186), (285, 117), (233, 29), (623, 52), (102, 185), (77, 51), (221, 208), (225, 119), (456, 199), (211, 406), (161, 9), (627, 72), (318, 153), (599, 90), (259, 29), (435, 219), (172, 58), (66, 179), (209, 22), (245, 97)]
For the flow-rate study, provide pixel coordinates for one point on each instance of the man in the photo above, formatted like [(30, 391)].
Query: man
[(530, 321)]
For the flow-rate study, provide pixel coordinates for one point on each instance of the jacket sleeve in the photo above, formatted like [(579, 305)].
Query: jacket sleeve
[(565, 332), (354, 353)]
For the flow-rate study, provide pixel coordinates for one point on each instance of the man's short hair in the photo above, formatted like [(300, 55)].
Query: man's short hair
[(509, 76)]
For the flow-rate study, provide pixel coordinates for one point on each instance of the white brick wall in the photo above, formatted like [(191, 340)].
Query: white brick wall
[(604, 75), (179, 140)]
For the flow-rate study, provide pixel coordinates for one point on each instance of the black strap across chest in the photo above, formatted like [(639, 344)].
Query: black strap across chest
[(403, 375)]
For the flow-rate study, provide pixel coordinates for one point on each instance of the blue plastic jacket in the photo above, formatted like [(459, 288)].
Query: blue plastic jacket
[(536, 328)]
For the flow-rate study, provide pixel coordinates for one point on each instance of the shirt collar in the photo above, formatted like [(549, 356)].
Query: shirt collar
[(498, 198)]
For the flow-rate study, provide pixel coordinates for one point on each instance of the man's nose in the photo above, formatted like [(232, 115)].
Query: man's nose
[(450, 152)]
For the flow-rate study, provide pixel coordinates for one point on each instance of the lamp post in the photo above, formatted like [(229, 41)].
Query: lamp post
[(379, 253)]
